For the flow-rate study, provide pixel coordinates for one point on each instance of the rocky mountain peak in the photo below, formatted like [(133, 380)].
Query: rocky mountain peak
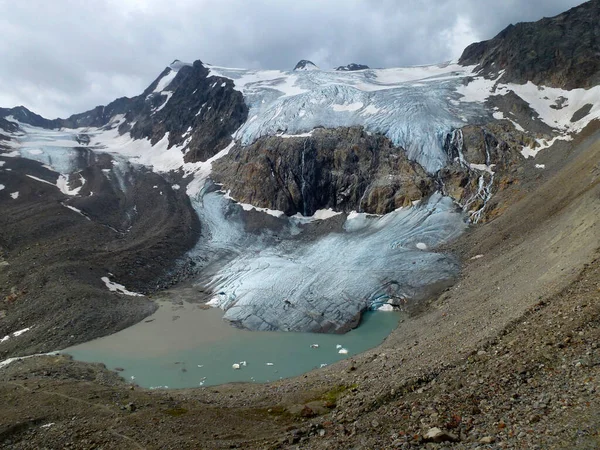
[(305, 64), (352, 67), (561, 51)]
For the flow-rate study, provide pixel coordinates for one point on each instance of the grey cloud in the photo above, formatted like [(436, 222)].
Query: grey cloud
[(67, 56)]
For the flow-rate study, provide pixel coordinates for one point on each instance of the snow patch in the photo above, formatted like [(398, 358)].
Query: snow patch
[(15, 195), (119, 288)]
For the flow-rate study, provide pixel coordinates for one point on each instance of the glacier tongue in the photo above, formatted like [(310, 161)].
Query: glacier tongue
[(415, 107), (323, 284)]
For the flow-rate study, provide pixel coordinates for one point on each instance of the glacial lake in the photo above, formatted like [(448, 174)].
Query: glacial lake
[(183, 346)]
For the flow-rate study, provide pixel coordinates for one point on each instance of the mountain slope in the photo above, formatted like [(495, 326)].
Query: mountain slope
[(561, 52)]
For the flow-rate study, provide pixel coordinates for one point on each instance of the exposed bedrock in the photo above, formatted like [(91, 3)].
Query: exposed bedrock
[(484, 160), (344, 168), (561, 51)]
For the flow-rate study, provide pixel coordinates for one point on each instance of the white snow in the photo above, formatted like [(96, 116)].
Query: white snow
[(540, 166), (300, 135), (164, 82), (2, 187), (271, 212), (483, 168), (2, 163), (347, 107), (169, 94), (14, 335), (78, 211), (8, 361), (119, 288), (543, 144), (15, 195), (20, 332), (320, 214), (63, 185), (421, 246), (40, 180)]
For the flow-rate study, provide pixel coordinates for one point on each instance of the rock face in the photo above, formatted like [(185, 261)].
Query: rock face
[(352, 67), (562, 51), (483, 159), (345, 169), (204, 111)]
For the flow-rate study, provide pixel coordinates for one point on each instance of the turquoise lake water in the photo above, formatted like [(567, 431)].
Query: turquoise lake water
[(186, 346)]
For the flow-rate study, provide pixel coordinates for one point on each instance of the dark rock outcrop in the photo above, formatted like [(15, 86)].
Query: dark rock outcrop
[(352, 67), (204, 110), (345, 169), (562, 51), (305, 64)]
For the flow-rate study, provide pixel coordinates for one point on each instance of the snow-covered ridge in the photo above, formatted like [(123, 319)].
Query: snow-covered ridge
[(416, 107)]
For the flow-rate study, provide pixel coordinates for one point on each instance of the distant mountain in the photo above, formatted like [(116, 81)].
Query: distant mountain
[(305, 64), (351, 67), (562, 51)]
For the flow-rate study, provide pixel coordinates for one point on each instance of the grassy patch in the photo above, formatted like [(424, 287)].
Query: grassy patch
[(331, 397), (176, 412)]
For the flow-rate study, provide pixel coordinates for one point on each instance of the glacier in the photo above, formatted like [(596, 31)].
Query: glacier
[(415, 107), (289, 281)]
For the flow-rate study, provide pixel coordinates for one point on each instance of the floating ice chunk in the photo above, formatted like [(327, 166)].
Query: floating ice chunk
[(343, 351), (119, 288), (132, 378), (269, 364), (322, 365), (421, 246), (338, 346), (243, 363), (386, 307), (314, 345), (200, 365), (235, 366)]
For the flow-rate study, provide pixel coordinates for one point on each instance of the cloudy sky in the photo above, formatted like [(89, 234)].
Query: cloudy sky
[(60, 57)]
